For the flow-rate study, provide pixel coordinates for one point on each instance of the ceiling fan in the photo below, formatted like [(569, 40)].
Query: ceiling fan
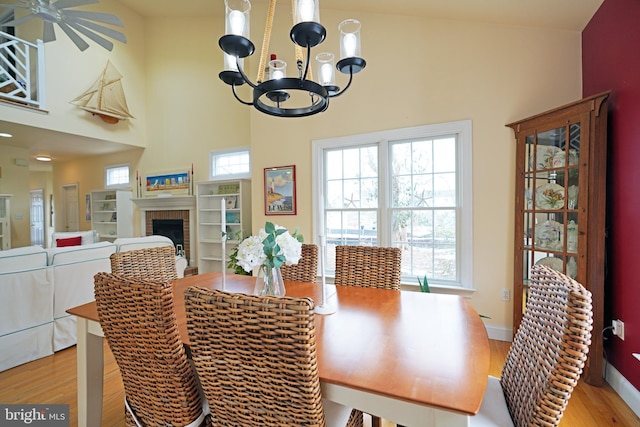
[(70, 21)]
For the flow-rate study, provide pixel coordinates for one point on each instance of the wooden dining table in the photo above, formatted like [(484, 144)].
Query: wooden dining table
[(417, 359)]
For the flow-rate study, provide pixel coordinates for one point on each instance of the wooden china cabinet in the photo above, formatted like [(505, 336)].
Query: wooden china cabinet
[(561, 159)]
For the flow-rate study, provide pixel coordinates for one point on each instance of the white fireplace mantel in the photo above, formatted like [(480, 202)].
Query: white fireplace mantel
[(165, 203)]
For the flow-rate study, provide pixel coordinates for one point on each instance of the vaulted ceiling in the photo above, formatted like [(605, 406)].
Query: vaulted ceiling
[(571, 15)]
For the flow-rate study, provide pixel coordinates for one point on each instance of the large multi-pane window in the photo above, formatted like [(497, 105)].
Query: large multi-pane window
[(407, 188)]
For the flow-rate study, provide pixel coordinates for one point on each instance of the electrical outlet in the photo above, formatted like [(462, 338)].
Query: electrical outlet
[(618, 328), (506, 295)]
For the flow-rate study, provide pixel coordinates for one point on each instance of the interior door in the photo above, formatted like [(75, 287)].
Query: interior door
[(37, 217), (70, 214)]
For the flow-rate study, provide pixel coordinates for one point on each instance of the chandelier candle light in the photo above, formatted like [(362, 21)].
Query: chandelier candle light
[(279, 95)]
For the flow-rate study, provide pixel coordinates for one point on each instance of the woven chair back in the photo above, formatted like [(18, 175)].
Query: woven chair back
[(306, 270), (139, 323), (368, 266), (549, 350), (155, 264), (256, 358)]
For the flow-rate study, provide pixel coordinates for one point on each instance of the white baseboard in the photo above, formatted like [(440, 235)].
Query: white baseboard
[(623, 387), (499, 333)]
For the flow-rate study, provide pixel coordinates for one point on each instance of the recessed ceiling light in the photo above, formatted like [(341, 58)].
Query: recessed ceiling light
[(43, 158), (5, 135)]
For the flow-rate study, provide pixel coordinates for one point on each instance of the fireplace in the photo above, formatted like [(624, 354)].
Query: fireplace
[(173, 224), (175, 208), (171, 228)]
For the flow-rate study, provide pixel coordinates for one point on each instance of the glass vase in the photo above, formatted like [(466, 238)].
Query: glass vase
[(269, 282)]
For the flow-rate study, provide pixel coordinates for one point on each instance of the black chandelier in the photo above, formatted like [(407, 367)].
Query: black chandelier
[(274, 93)]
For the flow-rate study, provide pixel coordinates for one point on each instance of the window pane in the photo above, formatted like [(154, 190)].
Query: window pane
[(369, 193), (422, 157), (444, 153), (351, 163), (423, 193), (117, 175), (416, 240), (444, 189), (230, 164), (333, 165), (352, 228)]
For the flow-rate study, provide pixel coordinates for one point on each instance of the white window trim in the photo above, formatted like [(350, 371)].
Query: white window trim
[(106, 173), (215, 153), (463, 129)]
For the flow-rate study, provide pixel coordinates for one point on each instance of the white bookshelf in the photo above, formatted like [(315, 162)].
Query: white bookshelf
[(209, 196), (112, 213)]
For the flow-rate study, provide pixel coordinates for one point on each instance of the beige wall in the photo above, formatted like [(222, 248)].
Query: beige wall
[(15, 180), (419, 71), (88, 173), (70, 72)]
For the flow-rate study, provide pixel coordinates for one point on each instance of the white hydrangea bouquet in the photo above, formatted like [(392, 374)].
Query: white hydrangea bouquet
[(269, 250)]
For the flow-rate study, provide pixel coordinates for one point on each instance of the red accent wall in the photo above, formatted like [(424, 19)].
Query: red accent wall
[(611, 61)]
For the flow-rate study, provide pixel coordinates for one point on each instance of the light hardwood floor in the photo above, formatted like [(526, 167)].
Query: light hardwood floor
[(52, 380)]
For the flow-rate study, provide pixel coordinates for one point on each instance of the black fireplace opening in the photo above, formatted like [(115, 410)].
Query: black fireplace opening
[(171, 228)]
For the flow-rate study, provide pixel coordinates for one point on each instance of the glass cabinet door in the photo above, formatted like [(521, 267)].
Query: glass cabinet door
[(551, 187)]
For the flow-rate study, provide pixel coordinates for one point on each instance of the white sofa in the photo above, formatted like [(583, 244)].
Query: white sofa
[(73, 270), (38, 286), (26, 306)]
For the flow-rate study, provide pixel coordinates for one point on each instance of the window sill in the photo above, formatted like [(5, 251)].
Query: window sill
[(439, 289)]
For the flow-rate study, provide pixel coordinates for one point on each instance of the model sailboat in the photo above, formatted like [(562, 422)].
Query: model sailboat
[(106, 97)]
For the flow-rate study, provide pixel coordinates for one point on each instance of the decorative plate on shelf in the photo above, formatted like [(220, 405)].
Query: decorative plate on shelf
[(558, 160), (555, 263), (550, 196), (549, 235), (545, 155)]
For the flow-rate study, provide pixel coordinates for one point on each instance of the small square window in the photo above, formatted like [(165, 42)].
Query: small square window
[(117, 176)]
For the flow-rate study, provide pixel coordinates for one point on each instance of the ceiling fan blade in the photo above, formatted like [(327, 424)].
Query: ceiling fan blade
[(18, 21), (109, 32), (62, 4), (93, 36), (14, 6), (82, 45), (48, 33), (105, 18)]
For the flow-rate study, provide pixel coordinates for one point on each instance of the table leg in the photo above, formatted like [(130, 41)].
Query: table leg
[(90, 360)]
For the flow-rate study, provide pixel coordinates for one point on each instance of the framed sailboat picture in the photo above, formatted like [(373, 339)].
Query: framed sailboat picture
[(280, 190)]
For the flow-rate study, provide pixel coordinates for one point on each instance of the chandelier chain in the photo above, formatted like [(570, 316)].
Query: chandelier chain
[(266, 40)]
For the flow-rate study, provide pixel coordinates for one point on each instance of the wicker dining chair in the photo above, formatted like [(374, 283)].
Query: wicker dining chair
[(368, 266), (139, 323), (306, 270), (257, 362), (155, 264), (546, 358)]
